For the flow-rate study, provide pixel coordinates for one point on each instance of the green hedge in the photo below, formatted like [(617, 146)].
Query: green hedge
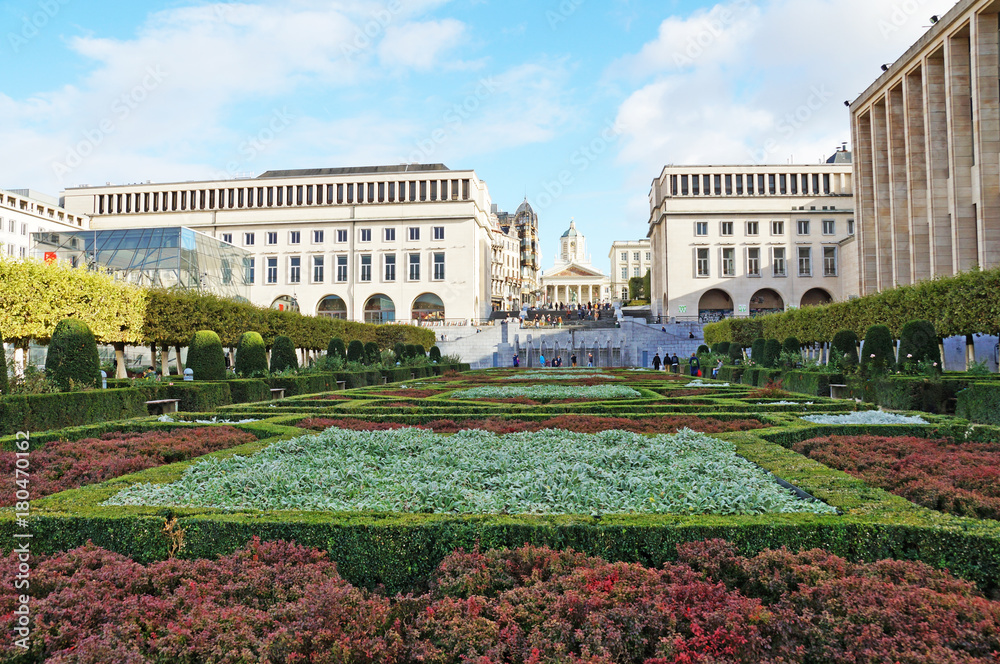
[(731, 374), (249, 390), (43, 412), (759, 376), (980, 403), (908, 392), (811, 382)]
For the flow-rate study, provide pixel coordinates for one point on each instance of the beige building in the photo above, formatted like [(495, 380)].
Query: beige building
[(505, 273), (573, 280), (381, 244), (524, 224), (746, 240), (23, 212), (927, 152), (629, 259)]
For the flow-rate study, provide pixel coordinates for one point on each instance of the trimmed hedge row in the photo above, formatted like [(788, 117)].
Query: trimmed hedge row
[(43, 412), (980, 403), (811, 382)]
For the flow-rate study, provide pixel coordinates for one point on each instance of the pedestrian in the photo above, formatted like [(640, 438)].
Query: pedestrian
[(663, 328), (690, 335), (695, 365), (715, 371), (572, 359), (656, 362), (517, 361), (675, 364), (541, 359), (590, 359)]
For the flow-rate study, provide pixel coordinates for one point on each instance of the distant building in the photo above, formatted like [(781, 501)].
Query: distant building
[(24, 212), (629, 259), (745, 240), (573, 280), (524, 223), (506, 275), (927, 156)]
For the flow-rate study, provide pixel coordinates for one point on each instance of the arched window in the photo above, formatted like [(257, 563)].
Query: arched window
[(428, 307), (332, 306), (285, 303), (379, 309)]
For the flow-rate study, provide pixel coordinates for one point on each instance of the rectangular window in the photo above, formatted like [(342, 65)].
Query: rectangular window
[(249, 270), (414, 267), (826, 183), (390, 267), (318, 237), (829, 261), (771, 187), (248, 239), (696, 185), (701, 228), (729, 262), (778, 262), (727, 228), (684, 185), (729, 185), (850, 227), (753, 228), (624, 273), (782, 184), (294, 237), (717, 181), (739, 185), (635, 256), (753, 262), (829, 227), (624, 256), (366, 235), (390, 235), (648, 256), (366, 267), (805, 261), (271, 238), (341, 269), (342, 236), (438, 267), (317, 269), (777, 228), (439, 232), (802, 227), (227, 237), (635, 272), (414, 234), (294, 269), (272, 269), (702, 262)]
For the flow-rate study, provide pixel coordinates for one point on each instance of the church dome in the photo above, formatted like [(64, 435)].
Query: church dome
[(525, 208), (571, 232)]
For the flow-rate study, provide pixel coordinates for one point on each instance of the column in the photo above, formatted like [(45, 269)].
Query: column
[(986, 93), (938, 168), (899, 192), (916, 167), (864, 189), (958, 89), (883, 202)]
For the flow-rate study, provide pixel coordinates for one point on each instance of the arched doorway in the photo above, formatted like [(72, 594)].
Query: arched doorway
[(766, 301), (714, 306), (285, 303), (815, 297), (428, 307), (380, 309), (332, 306)]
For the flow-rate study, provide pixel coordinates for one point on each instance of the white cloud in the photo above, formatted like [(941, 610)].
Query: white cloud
[(420, 45)]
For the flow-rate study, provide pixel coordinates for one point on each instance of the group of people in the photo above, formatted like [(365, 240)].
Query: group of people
[(555, 362), (694, 364)]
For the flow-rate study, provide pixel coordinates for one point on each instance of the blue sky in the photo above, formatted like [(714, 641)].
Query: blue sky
[(577, 104)]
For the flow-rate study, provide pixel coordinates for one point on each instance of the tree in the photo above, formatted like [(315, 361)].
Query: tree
[(918, 342), (435, 354), (355, 351), (205, 357), (399, 350), (283, 355), (251, 356), (757, 351), (4, 381), (735, 353), (372, 354), (791, 345), (72, 360), (877, 354), (336, 348), (844, 349), (772, 352)]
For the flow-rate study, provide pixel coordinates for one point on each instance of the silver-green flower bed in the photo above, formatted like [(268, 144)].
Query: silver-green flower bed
[(476, 472), (596, 392), (552, 375)]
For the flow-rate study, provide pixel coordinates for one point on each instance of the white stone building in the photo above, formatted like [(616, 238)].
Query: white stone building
[(23, 212), (573, 280), (505, 272), (379, 244), (629, 259), (745, 240)]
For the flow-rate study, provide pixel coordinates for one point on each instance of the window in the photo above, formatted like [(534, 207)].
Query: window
[(366, 267), (24, 252), (342, 236), (624, 256), (414, 267), (24, 229), (390, 235), (777, 228), (249, 270), (727, 228), (624, 273), (390, 267), (829, 227), (701, 228), (439, 267), (271, 238), (829, 261), (294, 237), (272, 270), (318, 237), (341, 269), (753, 262), (317, 269), (294, 269), (439, 232), (414, 234), (753, 228), (366, 235), (648, 256), (805, 261), (248, 239), (635, 256), (227, 237), (778, 262), (12, 224), (729, 262), (802, 227), (702, 262), (635, 272)]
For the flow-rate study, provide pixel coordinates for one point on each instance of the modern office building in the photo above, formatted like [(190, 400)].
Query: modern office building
[(927, 155), (746, 240), (573, 280), (24, 212), (378, 244), (629, 259)]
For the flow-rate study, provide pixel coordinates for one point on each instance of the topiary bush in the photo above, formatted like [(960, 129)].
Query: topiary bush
[(399, 350), (757, 351), (355, 351), (435, 354), (72, 361), (419, 350), (205, 357), (877, 354), (735, 353), (791, 345), (337, 348), (283, 355), (703, 350), (772, 352), (251, 356), (918, 342), (372, 354), (844, 349)]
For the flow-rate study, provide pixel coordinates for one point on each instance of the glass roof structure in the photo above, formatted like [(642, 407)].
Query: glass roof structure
[(174, 257)]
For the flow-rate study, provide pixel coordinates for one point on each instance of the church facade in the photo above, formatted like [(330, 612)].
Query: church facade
[(573, 280)]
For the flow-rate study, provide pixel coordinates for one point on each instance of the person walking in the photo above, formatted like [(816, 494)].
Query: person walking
[(590, 359), (656, 362), (694, 364), (675, 364), (517, 361), (541, 359), (572, 359)]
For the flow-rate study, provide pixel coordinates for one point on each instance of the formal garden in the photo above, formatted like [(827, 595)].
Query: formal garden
[(382, 503)]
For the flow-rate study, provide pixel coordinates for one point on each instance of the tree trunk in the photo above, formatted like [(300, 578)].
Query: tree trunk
[(165, 360), (941, 351), (970, 351), (120, 372), (180, 365), (152, 356)]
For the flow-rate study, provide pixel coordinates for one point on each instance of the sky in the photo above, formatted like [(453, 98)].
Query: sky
[(575, 104)]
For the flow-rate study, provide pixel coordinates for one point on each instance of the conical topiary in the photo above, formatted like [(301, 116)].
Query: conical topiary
[(337, 348), (918, 342), (355, 351), (251, 356), (772, 353), (757, 351), (72, 360), (372, 354), (877, 354), (791, 345), (205, 357), (283, 355), (735, 353), (435, 354), (399, 350), (844, 349)]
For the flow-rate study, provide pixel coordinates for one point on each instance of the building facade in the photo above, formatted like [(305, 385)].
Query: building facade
[(629, 259), (927, 152), (380, 244), (505, 273), (746, 240), (573, 281), (23, 212), (524, 223)]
